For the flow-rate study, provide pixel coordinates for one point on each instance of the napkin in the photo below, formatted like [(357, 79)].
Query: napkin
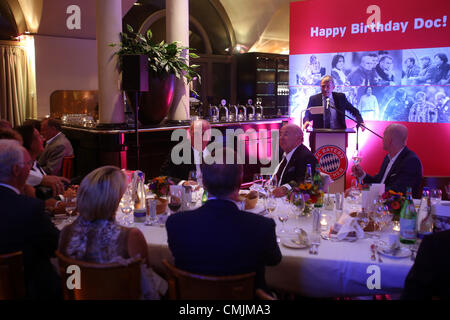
[(347, 228)]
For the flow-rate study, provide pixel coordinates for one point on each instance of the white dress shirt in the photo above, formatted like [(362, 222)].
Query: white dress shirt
[(288, 157), (36, 175)]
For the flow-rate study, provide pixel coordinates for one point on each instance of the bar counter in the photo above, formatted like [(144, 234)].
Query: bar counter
[(95, 147)]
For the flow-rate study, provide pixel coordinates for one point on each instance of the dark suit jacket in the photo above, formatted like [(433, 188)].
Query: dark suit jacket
[(296, 168), (429, 276), (341, 103), (180, 171), (25, 227), (219, 239), (51, 158), (405, 172)]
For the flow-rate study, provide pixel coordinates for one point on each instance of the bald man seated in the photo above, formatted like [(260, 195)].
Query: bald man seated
[(296, 156), (401, 168)]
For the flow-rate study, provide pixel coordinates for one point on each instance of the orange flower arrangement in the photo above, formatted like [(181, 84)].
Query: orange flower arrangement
[(160, 185), (394, 201), (312, 194)]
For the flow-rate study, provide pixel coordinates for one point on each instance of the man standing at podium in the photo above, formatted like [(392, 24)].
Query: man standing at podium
[(335, 105)]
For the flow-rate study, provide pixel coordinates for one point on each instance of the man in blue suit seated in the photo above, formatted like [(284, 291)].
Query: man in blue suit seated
[(401, 168), (218, 238)]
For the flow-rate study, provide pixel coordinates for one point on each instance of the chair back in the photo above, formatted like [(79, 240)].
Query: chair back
[(184, 285), (112, 281), (67, 167), (12, 280)]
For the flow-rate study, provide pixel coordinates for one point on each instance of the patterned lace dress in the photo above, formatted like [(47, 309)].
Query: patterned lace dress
[(104, 241)]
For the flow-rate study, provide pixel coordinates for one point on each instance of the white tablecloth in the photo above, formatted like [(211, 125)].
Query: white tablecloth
[(340, 268)]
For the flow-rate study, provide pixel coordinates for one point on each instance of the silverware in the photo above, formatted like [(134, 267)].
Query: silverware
[(373, 256), (378, 254)]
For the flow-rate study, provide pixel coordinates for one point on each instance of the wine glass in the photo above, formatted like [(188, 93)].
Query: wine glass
[(435, 196), (192, 176), (70, 206), (258, 182), (357, 157), (175, 200), (379, 212), (127, 207), (297, 203), (283, 216), (270, 203), (271, 183)]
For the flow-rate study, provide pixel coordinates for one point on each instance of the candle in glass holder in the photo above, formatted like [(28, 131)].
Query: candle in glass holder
[(323, 223)]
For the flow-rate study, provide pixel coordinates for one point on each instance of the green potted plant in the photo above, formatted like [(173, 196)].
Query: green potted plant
[(139, 54)]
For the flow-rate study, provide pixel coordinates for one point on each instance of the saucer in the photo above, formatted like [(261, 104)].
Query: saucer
[(294, 243)]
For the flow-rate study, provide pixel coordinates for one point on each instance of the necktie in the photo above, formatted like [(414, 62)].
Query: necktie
[(280, 170), (326, 114)]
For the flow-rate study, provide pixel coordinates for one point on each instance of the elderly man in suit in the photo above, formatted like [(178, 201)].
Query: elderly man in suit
[(25, 226), (57, 147), (199, 133), (335, 103), (219, 238), (401, 168), (296, 156)]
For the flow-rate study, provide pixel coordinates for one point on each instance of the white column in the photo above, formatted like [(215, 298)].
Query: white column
[(177, 29), (108, 27)]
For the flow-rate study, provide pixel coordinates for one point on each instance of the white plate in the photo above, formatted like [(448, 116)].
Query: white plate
[(294, 243), (398, 254)]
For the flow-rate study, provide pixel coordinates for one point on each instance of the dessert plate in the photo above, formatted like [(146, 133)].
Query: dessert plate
[(399, 253)]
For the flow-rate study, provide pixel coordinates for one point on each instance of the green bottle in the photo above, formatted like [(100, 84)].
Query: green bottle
[(408, 220), (204, 196), (317, 182)]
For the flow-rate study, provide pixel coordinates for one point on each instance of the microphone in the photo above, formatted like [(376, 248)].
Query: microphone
[(328, 103)]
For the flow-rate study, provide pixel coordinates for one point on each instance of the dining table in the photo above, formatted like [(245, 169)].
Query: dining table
[(339, 269)]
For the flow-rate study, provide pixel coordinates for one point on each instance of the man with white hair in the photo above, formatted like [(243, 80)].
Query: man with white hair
[(24, 225), (401, 168), (296, 156), (199, 134)]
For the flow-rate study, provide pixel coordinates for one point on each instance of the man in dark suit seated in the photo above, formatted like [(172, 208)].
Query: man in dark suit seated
[(199, 133), (401, 168), (218, 238), (296, 156), (428, 277), (335, 105), (24, 225)]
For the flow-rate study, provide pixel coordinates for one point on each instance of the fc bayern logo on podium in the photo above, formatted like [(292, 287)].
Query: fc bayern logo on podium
[(332, 161)]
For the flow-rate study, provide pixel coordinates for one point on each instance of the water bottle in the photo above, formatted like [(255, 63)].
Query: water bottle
[(424, 217), (205, 196), (408, 220), (140, 210)]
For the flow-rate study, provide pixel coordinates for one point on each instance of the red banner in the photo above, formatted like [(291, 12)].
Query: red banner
[(322, 26)]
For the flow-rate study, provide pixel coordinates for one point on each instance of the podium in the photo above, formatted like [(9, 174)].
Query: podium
[(329, 147)]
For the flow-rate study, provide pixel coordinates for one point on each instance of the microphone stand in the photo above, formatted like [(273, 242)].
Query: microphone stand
[(357, 123)]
